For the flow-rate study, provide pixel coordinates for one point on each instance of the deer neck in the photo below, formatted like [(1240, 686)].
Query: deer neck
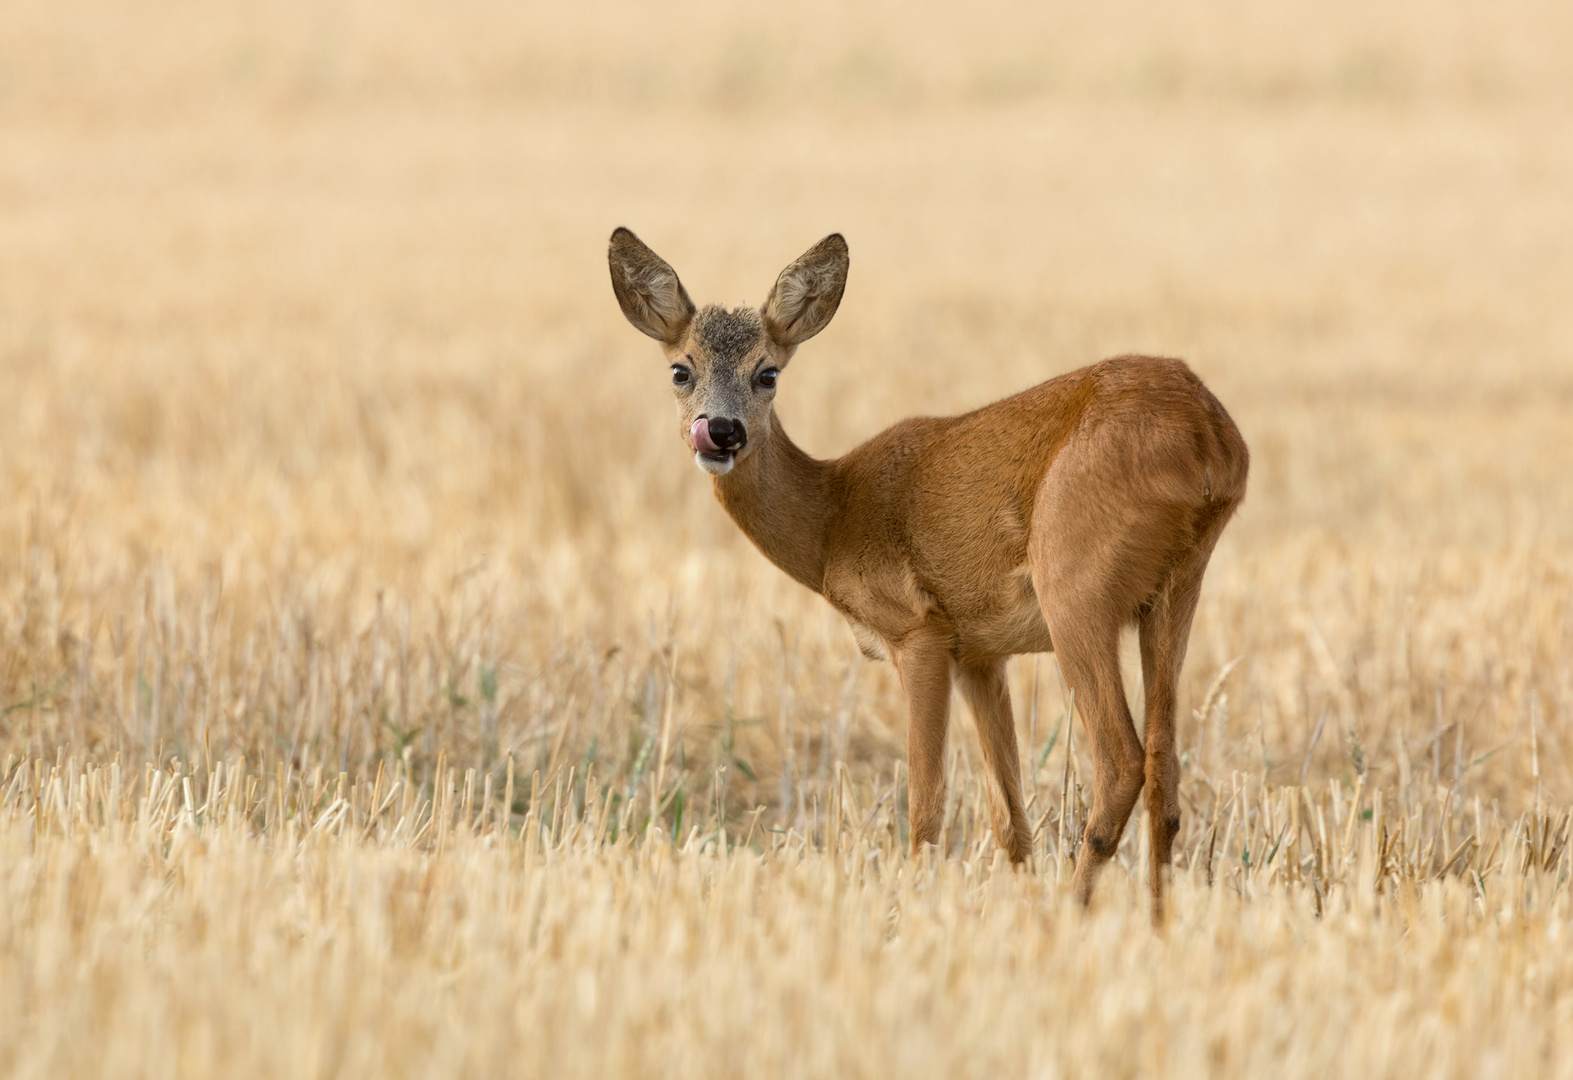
[(784, 501)]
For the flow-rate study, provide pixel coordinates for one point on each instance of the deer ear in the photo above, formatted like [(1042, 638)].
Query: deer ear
[(807, 293), (647, 288)]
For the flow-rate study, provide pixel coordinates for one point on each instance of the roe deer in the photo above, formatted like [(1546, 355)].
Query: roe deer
[(1043, 522)]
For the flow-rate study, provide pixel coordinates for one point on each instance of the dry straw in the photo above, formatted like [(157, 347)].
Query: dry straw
[(195, 918)]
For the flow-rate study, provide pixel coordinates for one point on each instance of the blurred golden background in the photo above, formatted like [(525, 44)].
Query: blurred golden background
[(361, 610)]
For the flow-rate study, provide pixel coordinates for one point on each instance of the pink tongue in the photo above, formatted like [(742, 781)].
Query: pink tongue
[(699, 435)]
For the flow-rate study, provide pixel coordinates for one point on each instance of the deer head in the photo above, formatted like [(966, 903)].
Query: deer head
[(725, 363)]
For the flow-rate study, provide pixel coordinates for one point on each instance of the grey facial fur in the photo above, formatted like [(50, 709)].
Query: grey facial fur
[(728, 335)]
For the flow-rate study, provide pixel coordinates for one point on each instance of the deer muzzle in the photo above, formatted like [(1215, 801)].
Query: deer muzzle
[(717, 436)]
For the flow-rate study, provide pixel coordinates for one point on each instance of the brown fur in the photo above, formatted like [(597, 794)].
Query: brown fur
[(1048, 520)]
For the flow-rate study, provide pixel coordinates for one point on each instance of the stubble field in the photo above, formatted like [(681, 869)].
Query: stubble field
[(384, 693)]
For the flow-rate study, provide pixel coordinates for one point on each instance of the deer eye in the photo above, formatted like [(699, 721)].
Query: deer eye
[(681, 375), (767, 378)]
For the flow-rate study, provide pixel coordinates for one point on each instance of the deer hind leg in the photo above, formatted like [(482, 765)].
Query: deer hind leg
[(1164, 629), (1095, 559), (1085, 628), (1090, 662), (923, 662), (988, 693)]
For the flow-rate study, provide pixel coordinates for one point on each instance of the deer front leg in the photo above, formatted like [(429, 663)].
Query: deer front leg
[(923, 661), (987, 691)]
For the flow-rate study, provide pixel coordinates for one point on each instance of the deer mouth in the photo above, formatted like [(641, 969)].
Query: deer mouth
[(715, 462), (709, 455)]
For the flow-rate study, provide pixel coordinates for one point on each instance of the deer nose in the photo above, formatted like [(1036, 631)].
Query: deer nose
[(727, 434)]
